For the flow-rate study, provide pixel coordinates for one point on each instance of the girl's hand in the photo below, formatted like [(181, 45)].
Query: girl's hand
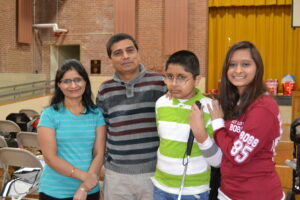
[(215, 110)]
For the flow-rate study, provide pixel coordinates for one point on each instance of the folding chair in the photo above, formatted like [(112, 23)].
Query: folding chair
[(30, 113), (19, 118), (18, 158), (9, 126), (9, 130), (27, 140), (2, 142)]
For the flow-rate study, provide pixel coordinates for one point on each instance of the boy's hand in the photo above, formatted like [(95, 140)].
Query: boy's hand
[(197, 124), (215, 110)]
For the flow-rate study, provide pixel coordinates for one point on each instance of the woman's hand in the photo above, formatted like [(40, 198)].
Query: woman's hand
[(197, 124), (80, 194), (215, 110), (90, 181)]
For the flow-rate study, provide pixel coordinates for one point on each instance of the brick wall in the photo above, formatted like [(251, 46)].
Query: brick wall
[(90, 24), (150, 27), (14, 57)]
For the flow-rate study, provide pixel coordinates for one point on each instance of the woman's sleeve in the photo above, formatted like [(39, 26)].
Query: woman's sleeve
[(47, 119), (100, 118)]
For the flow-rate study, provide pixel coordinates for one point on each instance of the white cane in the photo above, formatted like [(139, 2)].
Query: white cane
[(188, 153)]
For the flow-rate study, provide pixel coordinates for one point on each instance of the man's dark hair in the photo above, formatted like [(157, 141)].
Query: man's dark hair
[(116, 38), (187, 59)]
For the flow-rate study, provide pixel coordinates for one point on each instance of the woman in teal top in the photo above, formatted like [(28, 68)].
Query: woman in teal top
[(71, 134)]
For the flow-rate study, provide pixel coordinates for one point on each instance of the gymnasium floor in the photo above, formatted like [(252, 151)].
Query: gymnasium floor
[(284, 151)]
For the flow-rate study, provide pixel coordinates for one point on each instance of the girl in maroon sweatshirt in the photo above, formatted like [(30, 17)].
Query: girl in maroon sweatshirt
[(247, 128)]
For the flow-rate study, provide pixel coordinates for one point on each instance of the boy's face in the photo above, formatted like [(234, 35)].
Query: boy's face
[(180, 83)]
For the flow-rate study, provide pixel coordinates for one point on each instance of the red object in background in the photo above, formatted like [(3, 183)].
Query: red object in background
[(272, 85), (212, 91), (35, 123), (287, 88)]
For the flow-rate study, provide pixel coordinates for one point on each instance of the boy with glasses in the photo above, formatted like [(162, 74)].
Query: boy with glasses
[(182, 77)]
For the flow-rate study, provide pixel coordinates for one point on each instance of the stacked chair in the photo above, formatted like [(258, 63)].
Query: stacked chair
[(9, 130), (30, 113), (26, 179), (28, 141), (2, 142), (19, 160)]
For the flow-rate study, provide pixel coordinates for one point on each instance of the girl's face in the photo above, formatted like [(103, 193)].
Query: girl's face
[(72, 84), (241, 70), (181, 84)]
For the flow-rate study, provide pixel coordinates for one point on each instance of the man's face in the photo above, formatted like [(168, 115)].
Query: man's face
[(124, 57)]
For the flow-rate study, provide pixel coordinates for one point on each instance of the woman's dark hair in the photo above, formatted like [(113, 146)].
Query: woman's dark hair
[(187, 59), (229, 95), (58, 96)]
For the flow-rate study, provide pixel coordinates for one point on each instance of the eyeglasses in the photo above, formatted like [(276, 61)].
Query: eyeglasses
[(179, 80), (69, 81)]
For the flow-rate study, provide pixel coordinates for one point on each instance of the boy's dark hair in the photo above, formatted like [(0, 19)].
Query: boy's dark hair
[(229, 95), (58, 96), (187, 59), (116, 38)]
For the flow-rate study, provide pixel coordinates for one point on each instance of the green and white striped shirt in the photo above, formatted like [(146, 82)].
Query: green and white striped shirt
[(173, 129)]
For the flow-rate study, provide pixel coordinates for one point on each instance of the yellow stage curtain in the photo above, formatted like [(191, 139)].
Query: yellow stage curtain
[(226, 3), (268, 27)]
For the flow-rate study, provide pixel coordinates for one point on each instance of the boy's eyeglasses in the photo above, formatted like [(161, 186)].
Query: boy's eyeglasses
[(179, 80), (69, 81)]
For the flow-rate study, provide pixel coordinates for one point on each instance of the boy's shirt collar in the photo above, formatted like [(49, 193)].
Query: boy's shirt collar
[(190, 101)]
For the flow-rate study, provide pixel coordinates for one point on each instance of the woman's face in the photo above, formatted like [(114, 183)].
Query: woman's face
[(72, 84), (241, 70)]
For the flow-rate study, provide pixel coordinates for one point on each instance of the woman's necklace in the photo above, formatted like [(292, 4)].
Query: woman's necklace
[(76, 110)]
